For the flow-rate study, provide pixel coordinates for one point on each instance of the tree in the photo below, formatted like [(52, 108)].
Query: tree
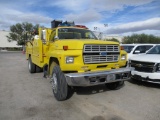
[(141, 38), (21, 32)]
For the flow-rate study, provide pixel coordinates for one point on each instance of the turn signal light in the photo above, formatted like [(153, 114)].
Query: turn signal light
[(65, 47), (122, 48)]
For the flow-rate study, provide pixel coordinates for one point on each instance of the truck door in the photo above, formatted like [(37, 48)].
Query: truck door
[(52, 40), (37, 49)]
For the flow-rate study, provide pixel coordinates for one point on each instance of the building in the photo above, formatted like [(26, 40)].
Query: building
[(5, 45), (103, 36)]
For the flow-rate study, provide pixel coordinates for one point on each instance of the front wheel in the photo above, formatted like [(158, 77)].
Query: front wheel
[(59, 85), (115, 85), (31, 66)]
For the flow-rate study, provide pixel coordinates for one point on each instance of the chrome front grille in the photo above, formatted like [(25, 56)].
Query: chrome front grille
[(101, 48), (100, 59), (100, 53), (142, 66)]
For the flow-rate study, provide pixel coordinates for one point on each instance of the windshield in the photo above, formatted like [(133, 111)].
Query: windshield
[(73, 33), (154, 50), (128, 49)]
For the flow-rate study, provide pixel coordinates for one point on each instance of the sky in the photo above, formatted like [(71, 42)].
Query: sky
[(112, 17)]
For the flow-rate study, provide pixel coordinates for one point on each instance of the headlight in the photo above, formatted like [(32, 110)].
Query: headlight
[(157, 67), (123, 57), (69, 59)]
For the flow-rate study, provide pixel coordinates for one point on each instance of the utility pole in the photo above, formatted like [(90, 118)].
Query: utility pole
[(100, 33)]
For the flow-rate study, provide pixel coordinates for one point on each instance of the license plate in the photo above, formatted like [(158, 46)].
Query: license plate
[(111, 77)]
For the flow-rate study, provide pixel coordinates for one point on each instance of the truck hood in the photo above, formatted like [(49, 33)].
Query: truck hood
[(78, 44), (147, 58)]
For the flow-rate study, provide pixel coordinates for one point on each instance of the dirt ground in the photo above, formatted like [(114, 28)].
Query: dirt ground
[(25, 96)]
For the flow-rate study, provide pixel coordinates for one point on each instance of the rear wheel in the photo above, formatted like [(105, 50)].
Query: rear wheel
[(60, 87), (115, 85), (31, 66)]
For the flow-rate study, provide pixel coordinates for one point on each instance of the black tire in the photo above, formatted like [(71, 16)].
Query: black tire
[(115, 85), (62, 90), (38, 69), (31, 66)]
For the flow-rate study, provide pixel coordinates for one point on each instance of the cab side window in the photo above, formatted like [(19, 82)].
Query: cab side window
[(142, 49), (148, 47), (53, 34)]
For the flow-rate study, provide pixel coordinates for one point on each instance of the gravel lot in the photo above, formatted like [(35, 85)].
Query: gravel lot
[(25, 96)]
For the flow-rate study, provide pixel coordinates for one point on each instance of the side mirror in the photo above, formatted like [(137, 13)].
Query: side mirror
[(136, 51), (43, 35), (56, 37)]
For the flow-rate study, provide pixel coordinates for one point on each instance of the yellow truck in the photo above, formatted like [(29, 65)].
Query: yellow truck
[(71, 55)]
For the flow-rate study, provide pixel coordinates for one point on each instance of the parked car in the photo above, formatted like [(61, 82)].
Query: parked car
[(146, 67), (136, 49)]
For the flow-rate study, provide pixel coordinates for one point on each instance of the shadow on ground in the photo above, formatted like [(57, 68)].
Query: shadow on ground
[(143, 83), (92, 89)]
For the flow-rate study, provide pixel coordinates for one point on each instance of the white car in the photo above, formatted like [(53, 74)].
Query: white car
[(136, 49), (146, 67)]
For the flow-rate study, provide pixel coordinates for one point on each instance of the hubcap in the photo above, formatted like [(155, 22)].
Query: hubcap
[(54, 83)]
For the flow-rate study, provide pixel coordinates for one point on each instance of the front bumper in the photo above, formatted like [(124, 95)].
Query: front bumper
[(98, 77), (148, 77)]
